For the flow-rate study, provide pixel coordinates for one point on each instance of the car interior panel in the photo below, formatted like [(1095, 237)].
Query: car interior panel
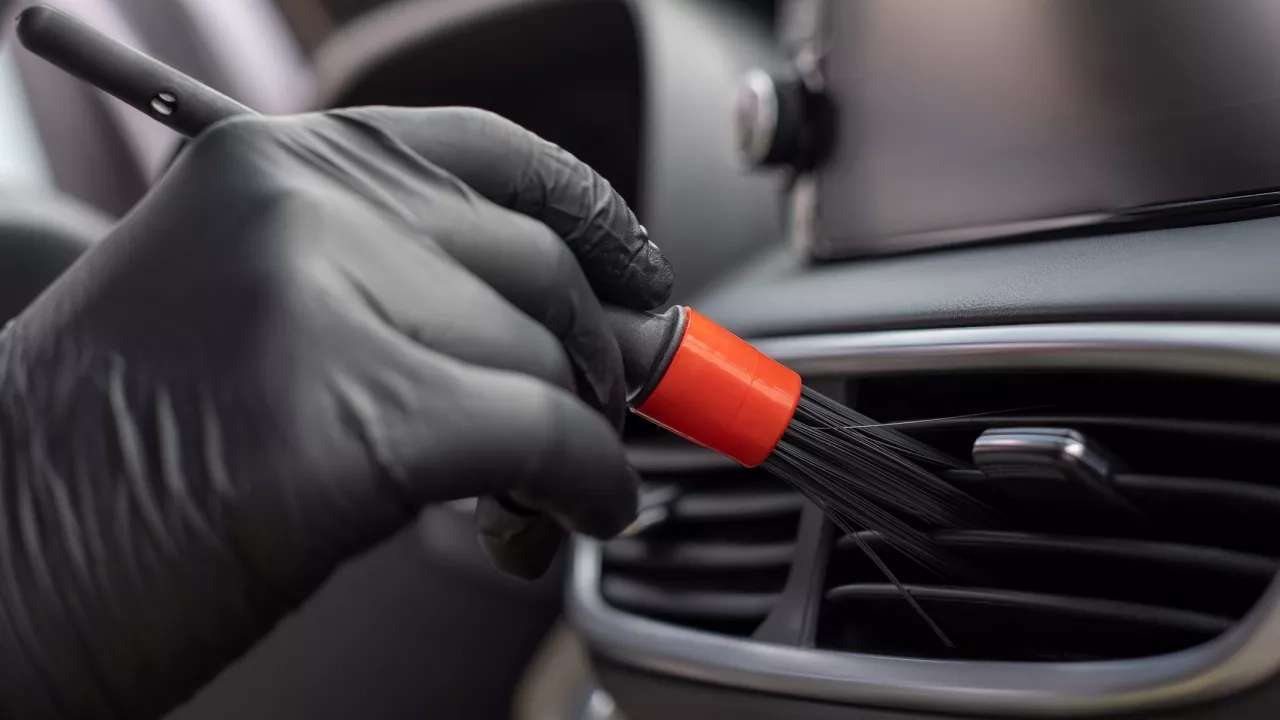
[(988, 223)]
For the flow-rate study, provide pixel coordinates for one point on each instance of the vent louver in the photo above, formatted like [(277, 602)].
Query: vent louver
[(1140, 519), (1160, 539), (717, 555)]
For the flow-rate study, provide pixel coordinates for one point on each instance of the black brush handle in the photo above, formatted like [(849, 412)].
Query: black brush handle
[(648, 342), (168, 96)]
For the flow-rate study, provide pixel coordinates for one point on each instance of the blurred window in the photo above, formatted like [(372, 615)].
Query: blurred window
[(22, 157)]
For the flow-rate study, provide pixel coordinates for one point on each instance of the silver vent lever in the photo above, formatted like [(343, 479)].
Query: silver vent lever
[(1055, 473)]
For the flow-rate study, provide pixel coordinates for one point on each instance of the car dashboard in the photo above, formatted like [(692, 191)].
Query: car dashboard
[(1132, 574), (1139, 584)]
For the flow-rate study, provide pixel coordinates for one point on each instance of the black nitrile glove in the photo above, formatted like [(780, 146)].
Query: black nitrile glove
[(309, 329)]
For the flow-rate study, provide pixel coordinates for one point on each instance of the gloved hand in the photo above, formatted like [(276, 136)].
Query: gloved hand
[(309, 329)]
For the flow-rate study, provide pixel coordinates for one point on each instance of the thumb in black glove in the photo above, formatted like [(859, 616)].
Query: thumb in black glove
[(309, 329)]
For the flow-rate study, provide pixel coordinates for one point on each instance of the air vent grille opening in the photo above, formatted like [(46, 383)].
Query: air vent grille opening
[(716, 547), (1176, 547)]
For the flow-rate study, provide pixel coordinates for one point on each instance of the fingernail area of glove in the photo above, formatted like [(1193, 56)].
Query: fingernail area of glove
[(519, 541), (612, 516), (654, 508), (644, 235), (656, 278), (629, 517)]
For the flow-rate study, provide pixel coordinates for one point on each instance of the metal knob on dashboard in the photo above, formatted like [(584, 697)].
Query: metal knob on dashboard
[(778, 122)]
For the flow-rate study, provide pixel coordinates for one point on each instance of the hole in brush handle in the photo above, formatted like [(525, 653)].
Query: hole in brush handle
[(179, 102)]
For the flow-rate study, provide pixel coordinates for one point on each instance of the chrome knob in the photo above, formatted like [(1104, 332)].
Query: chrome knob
[(778, 122)]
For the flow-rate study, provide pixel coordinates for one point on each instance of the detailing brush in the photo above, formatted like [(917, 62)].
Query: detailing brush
[(702, 382), (683, 371), (698, 380)]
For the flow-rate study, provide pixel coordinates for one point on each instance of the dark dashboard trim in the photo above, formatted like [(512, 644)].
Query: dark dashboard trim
[(1244, 656), (1211, 273), (807, 29)]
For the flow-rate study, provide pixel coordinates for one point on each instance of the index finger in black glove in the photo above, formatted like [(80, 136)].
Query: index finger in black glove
[(525, 173), (520, 257), (566, 207)]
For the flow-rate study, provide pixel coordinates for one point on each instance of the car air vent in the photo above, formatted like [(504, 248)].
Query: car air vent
[(1139, 517), (713, 543)]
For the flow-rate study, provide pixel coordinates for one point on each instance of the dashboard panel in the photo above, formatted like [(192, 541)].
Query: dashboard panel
[(643, 90), (650, 696), (1220, 272), (1150, 326), (1005, 118)]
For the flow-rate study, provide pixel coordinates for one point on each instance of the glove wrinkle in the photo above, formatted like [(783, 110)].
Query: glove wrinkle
[(133, 457), (216, 471), (178, 486), (358, 413), (535, 177), (347, 164), (25, 550), (407, 172), (369, 297)]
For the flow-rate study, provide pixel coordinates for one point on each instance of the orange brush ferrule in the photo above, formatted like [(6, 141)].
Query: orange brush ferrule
[(719, 391)]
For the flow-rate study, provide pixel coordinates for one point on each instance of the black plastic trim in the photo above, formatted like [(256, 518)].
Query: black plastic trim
[(1191, 577), (1217, 272), (629, 552), (1149, 615), (694, 604), (739, 505), (1241, 658)]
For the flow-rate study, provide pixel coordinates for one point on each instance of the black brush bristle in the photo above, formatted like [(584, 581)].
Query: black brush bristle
[(873, 476), (869, 476)]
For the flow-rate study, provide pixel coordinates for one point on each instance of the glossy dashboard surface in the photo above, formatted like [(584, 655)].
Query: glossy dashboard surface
[(957, 123), (1212, 272)]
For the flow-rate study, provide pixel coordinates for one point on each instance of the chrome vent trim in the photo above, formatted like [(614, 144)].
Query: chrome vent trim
[(1244, 656)]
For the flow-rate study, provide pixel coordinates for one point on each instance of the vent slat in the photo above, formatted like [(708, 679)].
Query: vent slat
[(1187, 577), (1219, 513), (718, 546), (1257, 432), (1005, 625), (686, 604), (706, 556), (1194, 510), (733, 505), (657, 458), (1127, 546)]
